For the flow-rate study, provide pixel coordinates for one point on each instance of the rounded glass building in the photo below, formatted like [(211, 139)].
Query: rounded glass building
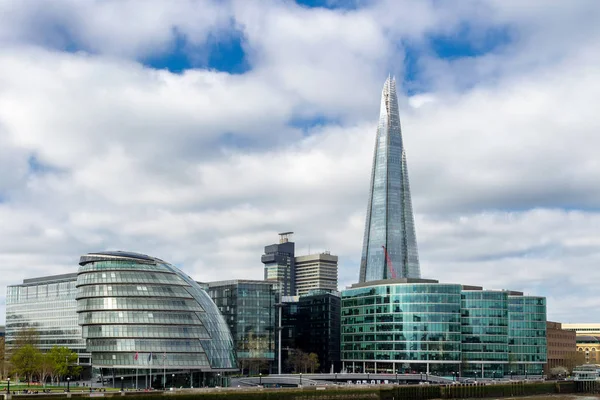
[(147, 324)]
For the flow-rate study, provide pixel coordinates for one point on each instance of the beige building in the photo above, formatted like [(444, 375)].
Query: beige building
[(588, 341), (583, 329), (316, 272)]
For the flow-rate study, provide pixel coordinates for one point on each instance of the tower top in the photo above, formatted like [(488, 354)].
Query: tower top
[(285, 237)]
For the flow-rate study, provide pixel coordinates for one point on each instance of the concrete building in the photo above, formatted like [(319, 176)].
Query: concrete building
[(249, 310), (279, 262), (421, 325), (562, 347), (316, 272)]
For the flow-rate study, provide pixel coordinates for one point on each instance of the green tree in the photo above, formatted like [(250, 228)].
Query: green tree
[(26, 361), (63, 362), (313, 362)]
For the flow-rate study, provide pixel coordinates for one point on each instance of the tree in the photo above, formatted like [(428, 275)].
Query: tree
[(298, 361), (28, 336), (26, 361), (313, 362), (46, 367), (573, 359), (2, 358), (558, 372), (63, 362)]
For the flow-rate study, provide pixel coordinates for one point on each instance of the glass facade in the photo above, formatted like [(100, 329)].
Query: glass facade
[(390, 242), (401, 327), (47, 305), (141, 312), (249, 310), (527, 335), (445, 329), (484, 329)]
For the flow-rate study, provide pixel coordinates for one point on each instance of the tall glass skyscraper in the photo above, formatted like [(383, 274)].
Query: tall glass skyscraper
[(390, 244)]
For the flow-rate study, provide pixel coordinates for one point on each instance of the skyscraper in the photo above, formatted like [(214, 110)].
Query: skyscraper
[(279, 265), (390, 244)]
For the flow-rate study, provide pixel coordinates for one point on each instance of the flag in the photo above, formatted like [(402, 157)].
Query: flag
[(136, 356), (150, 357)]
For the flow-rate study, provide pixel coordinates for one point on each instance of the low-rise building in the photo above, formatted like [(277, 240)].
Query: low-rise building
[(562, 347)]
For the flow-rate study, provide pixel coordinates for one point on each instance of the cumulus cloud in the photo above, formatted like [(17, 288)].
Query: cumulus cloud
[(98, 150)]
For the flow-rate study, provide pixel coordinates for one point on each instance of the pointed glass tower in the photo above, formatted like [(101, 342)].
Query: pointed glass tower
[(390, 244)]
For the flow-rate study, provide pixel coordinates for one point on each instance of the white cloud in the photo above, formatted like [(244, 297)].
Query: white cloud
[(204, 168)]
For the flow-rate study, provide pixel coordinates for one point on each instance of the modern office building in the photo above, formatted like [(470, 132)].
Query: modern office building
[(390, 244), (249, 310), (311, 324), (48, 306), (143, 317), (318, 330), (316, 272), (279, 265), (562, 347), (425, 326)]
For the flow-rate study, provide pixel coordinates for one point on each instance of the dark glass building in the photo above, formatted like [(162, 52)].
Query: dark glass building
[(142, 317), (311, 324), (390, 244), (279, 264), (249, 310)]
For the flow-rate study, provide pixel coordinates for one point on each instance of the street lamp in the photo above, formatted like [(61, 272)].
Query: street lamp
[(121, 384), (173, 380), (8, 387), (219, 379), (68, 381), (260, 379), (300, 378)]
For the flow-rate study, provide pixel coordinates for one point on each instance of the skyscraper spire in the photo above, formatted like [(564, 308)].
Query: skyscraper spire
[(389, 224)]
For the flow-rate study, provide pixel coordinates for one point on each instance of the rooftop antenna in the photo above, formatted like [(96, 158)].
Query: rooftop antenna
[(285, 237)]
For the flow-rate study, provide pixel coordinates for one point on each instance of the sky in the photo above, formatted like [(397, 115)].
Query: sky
[(195, 131)]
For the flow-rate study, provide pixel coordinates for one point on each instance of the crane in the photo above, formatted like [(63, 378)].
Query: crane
[(389, 263)]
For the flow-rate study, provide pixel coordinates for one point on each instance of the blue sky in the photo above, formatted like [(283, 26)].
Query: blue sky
[(198, 130)]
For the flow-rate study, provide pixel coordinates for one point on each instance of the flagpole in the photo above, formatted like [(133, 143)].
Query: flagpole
[(164, 371)]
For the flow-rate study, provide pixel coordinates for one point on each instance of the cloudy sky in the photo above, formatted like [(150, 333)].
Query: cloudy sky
[(194, 131)]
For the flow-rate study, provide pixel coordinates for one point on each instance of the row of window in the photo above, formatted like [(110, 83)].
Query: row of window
[(137, 303), (132, 291), (157, 360), (144, 345), (132, 317), (91, 278), (144, 331)]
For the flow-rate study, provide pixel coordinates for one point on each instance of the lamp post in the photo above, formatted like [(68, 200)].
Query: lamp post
[(173, 380), (121, 384), (260, 378), (8, 387), (219, 379), (300, 378), (68, 381)]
